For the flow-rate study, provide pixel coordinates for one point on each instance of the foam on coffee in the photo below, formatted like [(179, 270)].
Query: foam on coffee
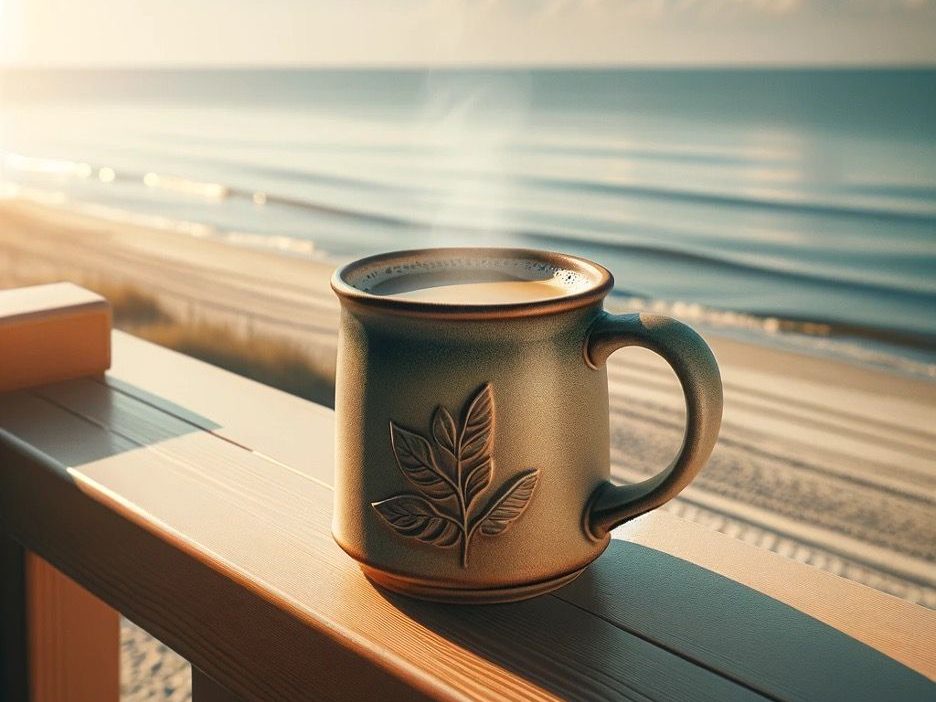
[(472, 281)]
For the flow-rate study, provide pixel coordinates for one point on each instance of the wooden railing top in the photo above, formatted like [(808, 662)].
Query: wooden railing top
[(198, 503), (41, 302)]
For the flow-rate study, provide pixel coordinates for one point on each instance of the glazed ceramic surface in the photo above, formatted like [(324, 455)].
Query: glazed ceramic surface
[(472, 439)]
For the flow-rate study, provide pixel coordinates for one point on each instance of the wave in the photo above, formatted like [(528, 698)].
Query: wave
[(726, 262), (799, 204), (615, 240), (921, 192), (619, 243), (748, 156), (823, 336), (781, 201), (214, 190), (828, 338), (579, 232), (776, 322), (908, 202)]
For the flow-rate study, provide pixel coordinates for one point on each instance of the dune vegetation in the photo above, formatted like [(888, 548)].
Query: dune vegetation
[(274, 361), (270, 360)]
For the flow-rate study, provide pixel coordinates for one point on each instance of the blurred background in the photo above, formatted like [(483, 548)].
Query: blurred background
[(775, 158), (763, 169)]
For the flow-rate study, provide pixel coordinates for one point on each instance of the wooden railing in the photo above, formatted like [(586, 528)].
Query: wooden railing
[(198, 504)]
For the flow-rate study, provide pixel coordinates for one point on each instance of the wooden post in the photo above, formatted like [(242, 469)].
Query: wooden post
[(50, 333), (58, 643), (14, 669), (204, 689), (73, 639)]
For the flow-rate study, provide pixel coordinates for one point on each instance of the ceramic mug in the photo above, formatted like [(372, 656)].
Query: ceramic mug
[(473, 436)]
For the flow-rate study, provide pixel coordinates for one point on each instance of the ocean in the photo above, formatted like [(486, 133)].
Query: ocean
[(794, 206)]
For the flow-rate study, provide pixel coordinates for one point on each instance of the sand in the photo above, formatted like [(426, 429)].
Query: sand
[(819, 460)]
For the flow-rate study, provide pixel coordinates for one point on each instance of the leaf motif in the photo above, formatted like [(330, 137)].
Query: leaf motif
[(479, 422), (446, 438), (476, 479), (474, 450), (443, 429), (413, 516), (509, 503), (453, 463), (414, 456)]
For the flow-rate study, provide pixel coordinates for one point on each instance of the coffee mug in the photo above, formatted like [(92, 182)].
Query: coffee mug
[(473, 453)]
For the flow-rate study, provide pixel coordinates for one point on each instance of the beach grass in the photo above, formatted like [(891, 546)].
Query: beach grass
[(274, 362), (132, 307), (278, 362)]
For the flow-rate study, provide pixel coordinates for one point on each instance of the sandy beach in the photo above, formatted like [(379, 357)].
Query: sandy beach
[(819, 460)]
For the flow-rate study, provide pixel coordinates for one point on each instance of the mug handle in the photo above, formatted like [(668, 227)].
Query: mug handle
[(695, 366)]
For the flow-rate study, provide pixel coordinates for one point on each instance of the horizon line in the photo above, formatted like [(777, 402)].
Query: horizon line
[(466, 66)]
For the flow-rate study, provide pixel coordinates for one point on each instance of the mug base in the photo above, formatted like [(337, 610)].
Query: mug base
[(456, 595)]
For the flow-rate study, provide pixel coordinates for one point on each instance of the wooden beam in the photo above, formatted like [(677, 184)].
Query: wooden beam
[(14, 666), (74, 639)]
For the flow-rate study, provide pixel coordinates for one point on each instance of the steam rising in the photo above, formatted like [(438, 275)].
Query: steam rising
[(469, 123)]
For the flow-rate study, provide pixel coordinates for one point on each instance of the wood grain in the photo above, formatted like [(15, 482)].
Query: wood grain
[(201, 608), (74, 639), (288, 430), (204, 689), (208, 535)]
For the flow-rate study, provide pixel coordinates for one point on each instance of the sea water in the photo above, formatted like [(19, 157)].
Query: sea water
[(760, 200)]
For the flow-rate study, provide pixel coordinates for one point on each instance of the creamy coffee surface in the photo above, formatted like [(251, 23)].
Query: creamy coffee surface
[(473, 292), (465, 280)]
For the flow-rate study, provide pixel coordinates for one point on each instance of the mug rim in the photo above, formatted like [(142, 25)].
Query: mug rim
[(600, 283)]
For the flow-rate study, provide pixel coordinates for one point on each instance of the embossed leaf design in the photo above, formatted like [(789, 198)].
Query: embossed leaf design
[(414, 456), (459, 466), (443, 429), (509, 503), (477, 479), (414, 516), (446, 438), (476, 468)]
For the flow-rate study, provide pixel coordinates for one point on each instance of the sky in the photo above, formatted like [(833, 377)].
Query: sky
[(122, 33)]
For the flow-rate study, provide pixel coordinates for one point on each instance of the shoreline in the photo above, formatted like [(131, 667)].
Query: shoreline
[(911, 353), (214, 275)]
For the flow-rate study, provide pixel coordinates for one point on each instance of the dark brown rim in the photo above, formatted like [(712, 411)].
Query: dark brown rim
[(602, 282)]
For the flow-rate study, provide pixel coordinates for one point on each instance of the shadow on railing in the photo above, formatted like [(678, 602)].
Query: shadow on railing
[(773, 647), (105, 426)]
